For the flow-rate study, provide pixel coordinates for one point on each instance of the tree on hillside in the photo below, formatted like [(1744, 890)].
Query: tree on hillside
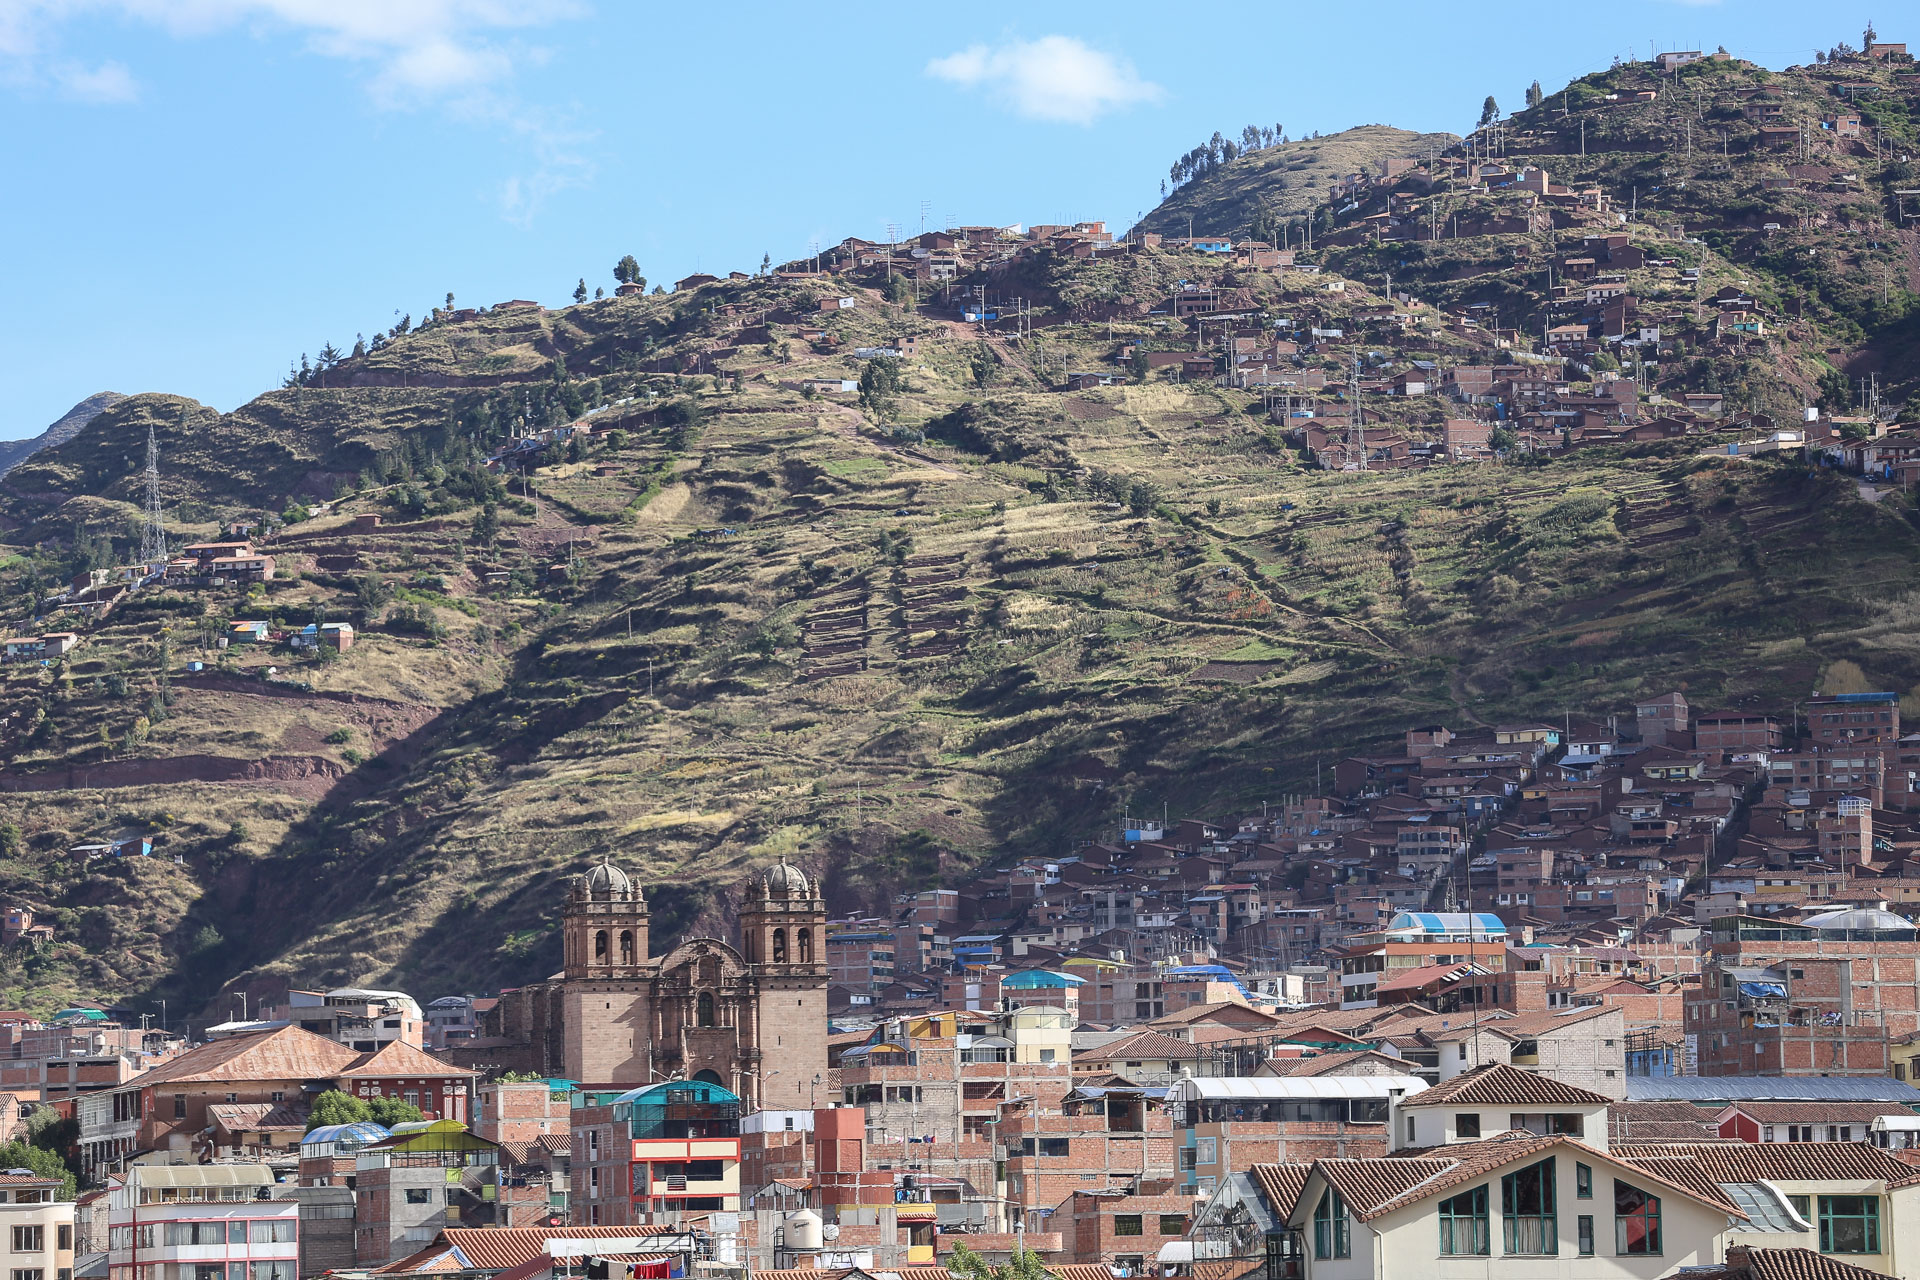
[(580, 290), (1489, 111), (766, 263), (627, 271), (1534, 96)]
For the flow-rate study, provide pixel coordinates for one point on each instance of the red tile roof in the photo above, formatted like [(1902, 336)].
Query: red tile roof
[(1814, 1111), (502, 1248), (1770, 1161), (1281, 1184), (1496, 1084), (1783, 1264)]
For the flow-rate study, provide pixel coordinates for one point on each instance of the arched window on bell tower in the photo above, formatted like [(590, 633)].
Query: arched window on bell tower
[(779, 946), (704, 1009), (626, 947), (805, 940), (600, 946)]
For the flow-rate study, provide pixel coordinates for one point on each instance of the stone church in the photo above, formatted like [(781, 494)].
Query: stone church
[(752, 1019)]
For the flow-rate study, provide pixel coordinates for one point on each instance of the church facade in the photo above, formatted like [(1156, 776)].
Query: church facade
[(751, 1018)]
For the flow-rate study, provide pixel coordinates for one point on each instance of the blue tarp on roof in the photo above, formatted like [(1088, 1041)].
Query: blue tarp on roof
[(1033, 979), (1763, 990), (1448, 922)]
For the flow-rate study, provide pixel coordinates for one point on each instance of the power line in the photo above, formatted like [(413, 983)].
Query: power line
[(153, 537)]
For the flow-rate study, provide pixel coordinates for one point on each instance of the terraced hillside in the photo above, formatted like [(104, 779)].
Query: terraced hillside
[(961, 616)]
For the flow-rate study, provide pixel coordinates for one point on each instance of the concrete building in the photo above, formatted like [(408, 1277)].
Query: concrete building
[(1584, 1046), (36, 1228), (521, 1110), (424, 1177), (641, 1155), (209, 1222)]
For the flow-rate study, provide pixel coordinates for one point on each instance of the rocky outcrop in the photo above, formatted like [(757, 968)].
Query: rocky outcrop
[(14, 452)]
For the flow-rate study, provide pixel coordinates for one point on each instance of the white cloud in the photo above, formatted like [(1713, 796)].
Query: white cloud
[(416, 49), (1054, 78), (110, 82)]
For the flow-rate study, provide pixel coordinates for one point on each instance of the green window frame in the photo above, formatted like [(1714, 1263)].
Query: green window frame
[(1584, 1232), (1850, 1224), (1330, 1238), (1636, 1220), (1582, 1182), (1464, 1229), (1529, 1220)]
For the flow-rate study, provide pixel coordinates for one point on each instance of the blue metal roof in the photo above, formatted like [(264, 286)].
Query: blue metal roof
[(1727, 1089), (1030, 979), (1861, 697)]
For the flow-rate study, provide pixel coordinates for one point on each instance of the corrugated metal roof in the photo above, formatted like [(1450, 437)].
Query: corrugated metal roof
[(1203, 1088), (211, 1175), (1727, 1089)]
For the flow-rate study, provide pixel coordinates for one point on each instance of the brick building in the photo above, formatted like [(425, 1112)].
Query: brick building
[(520, 1110), (751, 1019), (1822, 997)]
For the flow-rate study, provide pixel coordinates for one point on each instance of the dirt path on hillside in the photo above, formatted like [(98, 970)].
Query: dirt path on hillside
[(666, 506), (309, 777)]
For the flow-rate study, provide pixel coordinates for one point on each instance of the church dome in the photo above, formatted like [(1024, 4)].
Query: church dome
[(608, 881), (784, 881)]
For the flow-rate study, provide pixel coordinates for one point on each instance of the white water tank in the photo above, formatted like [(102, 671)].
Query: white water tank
[(1810, 414), (803, 1230)]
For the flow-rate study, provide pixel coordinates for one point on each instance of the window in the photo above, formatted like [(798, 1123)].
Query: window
[(63, 1237), (1054, 1146), (1582, 1182), (1466, 1125), (1330, 1227), (1410, 1141), (279, 1270), (274, 1231), (1463, 1224), (279, 1095), (1127, 1224), (237, 1231), (207, 1271), (27, 1273), (416, 1195), (1463, 1050), (1803, 1206), (1766, 1133), (236, 1271), (233, 1097), (1173, 1224), (1585, 1230), (178, 1233), (704, 1009), (29, 1239), (1206, 1150), (1636, 1220), (179, 1106), (1527, 1210), (1849, 1224)]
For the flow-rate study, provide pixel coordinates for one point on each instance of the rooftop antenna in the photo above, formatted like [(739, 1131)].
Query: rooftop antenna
[(153, 537)]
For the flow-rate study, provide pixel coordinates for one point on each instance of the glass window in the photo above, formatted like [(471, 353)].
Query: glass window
[(236, 1271), (1466, 1125), (29, 1239), (237, 1231), (1530, 1222), (1802, 1205), (1127, 1224), (1849, 1224), (27, 1273), (280, 1269), (1330, 1227), (63, 1237), (273, 1231), (209, 1271), (416, 1195), (1206, 1150), (1582, 1182), (1173, 1224), (1636, 1220), (1463, 1224), (1585, 1225)]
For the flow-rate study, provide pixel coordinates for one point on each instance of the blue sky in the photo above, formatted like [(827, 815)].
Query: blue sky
[(200, 190)]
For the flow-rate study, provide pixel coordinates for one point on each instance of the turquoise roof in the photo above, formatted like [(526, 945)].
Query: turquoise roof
[(1034, 979)]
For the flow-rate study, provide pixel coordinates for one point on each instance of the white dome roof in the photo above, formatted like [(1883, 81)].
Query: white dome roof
[(1859, 918)]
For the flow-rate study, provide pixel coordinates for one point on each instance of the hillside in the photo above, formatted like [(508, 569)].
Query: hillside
[(1284, 180), (964, 615), (12, 452)]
